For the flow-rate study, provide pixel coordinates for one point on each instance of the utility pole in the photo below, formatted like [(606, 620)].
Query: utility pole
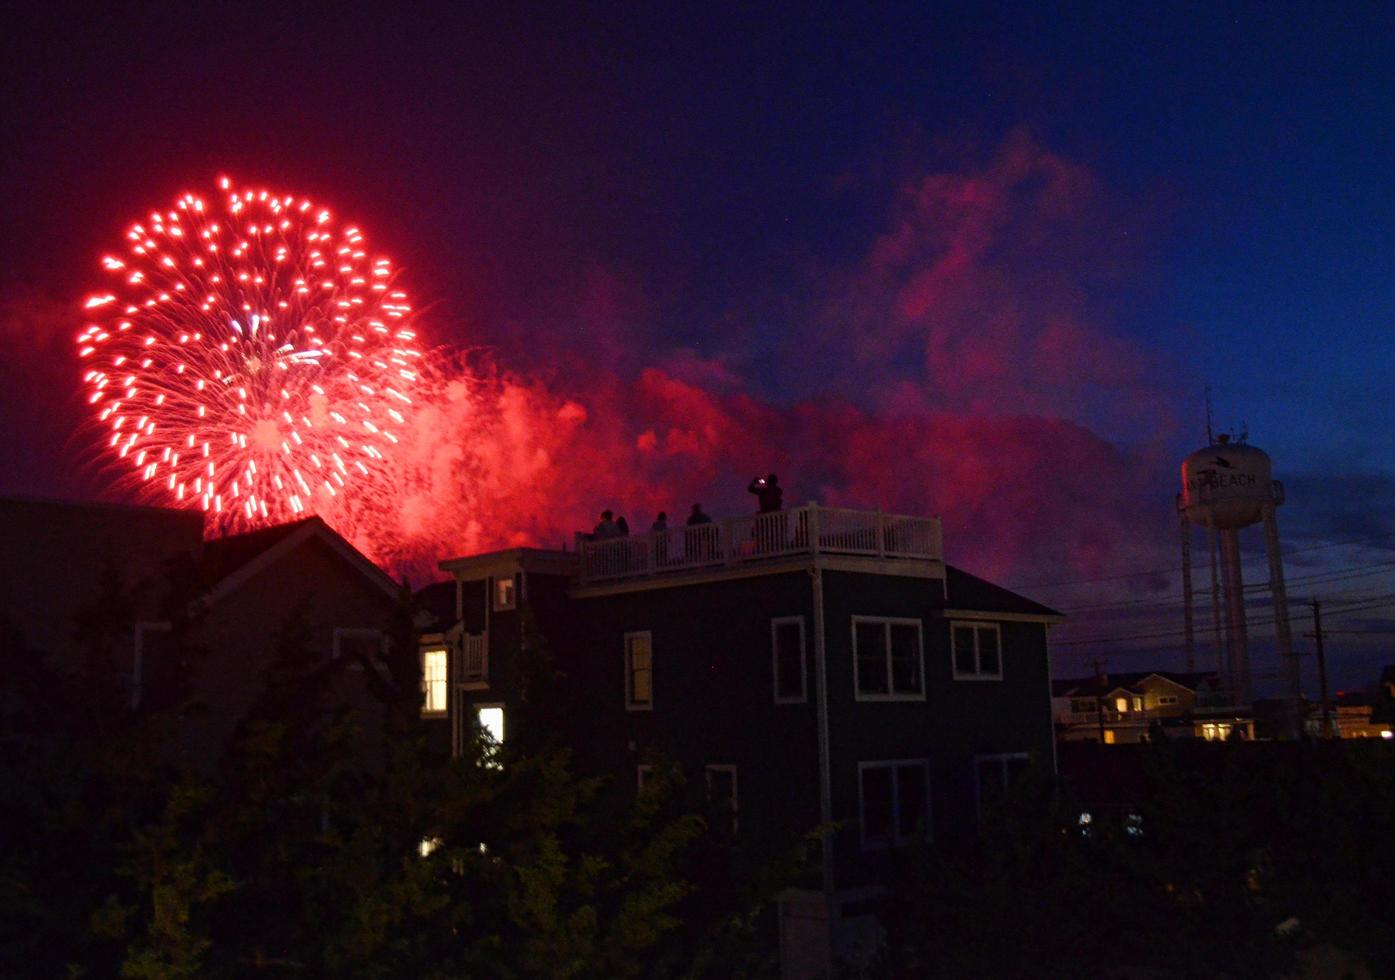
[(1099, 696), (1322, 669)]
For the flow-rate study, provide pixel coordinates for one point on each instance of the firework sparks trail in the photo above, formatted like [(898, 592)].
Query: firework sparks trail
[(252, 359)]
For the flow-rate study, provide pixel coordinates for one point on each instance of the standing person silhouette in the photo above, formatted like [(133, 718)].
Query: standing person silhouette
[(605, 528), (768, 492)]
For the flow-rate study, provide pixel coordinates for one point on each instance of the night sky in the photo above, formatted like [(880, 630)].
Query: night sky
[(980, 260)]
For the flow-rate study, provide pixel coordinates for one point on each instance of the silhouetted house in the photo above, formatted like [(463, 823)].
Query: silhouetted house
[(810, 667), (1124, 708), (146, 589)]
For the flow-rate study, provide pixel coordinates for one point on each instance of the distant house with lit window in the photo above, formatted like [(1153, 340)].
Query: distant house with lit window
[(1123, 709), (140, 568), (812, 667)]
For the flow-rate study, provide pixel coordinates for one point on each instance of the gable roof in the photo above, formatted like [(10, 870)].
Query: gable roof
[(969, 592), (1090, 686), (230, 561)]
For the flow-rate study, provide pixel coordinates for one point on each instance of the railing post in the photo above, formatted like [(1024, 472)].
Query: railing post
[(813, 528), (881, 535)]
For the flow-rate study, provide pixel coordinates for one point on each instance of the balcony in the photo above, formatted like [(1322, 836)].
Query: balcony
[(735, 541)]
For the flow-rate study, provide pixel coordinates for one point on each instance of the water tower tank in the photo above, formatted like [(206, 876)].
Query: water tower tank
[(1226, 485)]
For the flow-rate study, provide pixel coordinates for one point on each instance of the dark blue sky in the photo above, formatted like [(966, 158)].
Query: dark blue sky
[(703, 174)]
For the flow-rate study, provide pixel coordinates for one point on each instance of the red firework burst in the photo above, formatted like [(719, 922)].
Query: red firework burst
[(251, 359)]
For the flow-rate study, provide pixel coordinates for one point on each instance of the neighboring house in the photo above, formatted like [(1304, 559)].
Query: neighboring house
[(254, 584), (137, 568), (1365, 714), (813, 667), (1119, 709)]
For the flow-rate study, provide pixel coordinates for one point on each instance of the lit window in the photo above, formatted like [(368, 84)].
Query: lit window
[(893, 802), (491, 719), (1216, 732), (976, 649), (433, 681), (1109, 736), (1137, 704), (505, 594), (1121, 704), (994, 777), (428, 845), (787, 655), (888, 658), (721, 795), (639, 671)]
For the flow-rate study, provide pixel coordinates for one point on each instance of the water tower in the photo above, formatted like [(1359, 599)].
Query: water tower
[(1226, 487)]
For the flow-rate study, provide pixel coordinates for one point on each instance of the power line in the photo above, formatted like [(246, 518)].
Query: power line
[(1264, 621), (1335, 575), (1170, 571)]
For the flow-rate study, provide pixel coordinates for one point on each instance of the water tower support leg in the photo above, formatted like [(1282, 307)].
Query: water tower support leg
[(1222, 676), (1187, 623), (1235, 617), (1283, 636)]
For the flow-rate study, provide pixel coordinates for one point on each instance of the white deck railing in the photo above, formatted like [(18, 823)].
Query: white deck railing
[(758, 537)]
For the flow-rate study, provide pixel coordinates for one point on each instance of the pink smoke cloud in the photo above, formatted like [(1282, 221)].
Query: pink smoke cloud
[(962, 353)]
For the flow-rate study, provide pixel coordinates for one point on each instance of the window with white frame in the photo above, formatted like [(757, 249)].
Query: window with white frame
[(505, 593), (888, 659), (721, 795), (893, 802), (433, 681), (639, 671), (994, 777), (1167, 700), (787, 658), (977, 651)]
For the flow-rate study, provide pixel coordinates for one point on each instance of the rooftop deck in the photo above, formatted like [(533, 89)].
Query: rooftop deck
[(811, 530)]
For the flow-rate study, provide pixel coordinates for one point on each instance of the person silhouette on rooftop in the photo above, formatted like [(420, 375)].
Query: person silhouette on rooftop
[(768, 492), (606, 528), (698, 516)]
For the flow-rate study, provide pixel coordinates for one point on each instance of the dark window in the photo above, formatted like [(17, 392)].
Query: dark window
[(995, 775), (905, 657), (965, 661), (895, 802), (878, 805), (888, 658), (977, 651), (988, 660), (910, 801), (871, 659)]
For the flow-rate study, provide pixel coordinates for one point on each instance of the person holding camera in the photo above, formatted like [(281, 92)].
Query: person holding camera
[(768, 492)]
